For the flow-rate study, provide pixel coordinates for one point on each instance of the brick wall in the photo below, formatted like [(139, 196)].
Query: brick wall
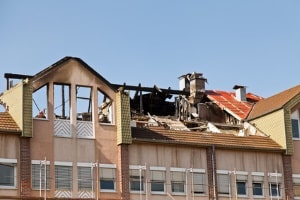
[(123, 173), (288, 176), (25, 167), (211, 172)]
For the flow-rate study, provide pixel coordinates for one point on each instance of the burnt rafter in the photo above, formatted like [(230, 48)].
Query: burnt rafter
[(153, 101)]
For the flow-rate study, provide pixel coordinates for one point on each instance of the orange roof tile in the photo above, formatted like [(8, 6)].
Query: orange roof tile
[(274, 102), (7, 123), (227, 101), (162, 135)]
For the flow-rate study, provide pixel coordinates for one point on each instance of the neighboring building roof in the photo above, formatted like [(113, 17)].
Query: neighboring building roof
[(227, 101), (7, 124), (274, 102), (161, 135)]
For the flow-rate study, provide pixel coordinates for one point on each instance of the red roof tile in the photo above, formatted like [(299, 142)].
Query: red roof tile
[(162, 135), (7, 124), (227, 101)]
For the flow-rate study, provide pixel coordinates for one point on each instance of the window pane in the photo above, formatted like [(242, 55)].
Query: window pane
[(157, 186), (241, 188), (136, 180), (295, 128), (63, 177), (178, 187), (84, 178), (275, 189), (84, 103), (104, 108), (39, 102), (199, 183), (62, 101), (257, 189), (38, 176), (7, 175), (223, 183), (107, 185)]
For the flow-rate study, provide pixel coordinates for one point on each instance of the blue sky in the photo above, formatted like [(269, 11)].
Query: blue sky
[(255, 43)]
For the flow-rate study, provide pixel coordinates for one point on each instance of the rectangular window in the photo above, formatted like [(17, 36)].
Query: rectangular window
[(137, 179), (105, 112), (158, 178), (63, 177), (223, 183), (295, 128), (84, 178), (296, 184), (40, 102), (62, 101), (39, 177), (274, 184), (241, 184), (198, 180), (274, 189), (7, 175), (84, 103), (257, 184), (178, 182), (107, 179)]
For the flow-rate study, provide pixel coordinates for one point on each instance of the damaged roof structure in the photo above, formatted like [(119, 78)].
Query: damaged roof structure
[(85, 121)]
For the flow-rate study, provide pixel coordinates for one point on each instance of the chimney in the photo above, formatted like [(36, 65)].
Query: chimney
[(240, 92), (197, 87)]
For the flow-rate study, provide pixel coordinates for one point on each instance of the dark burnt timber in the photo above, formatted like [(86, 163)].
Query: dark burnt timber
[(14, 76), (150, 89)]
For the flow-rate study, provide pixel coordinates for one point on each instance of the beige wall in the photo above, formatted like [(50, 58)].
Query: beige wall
[(273, 125)]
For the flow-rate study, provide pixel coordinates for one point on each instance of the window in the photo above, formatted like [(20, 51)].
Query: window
[(296, 184), (198, 180), (137, 178), (63, 177), (241, 183), (84, 103), (257, 184), (274, 184), (84, 175), (107, 178), (295, 128), (223, 183), (158, 177), (274, 189), (104, 108), (178, 181), (40, 102), (62, 101), (38, 174), (7, 173)]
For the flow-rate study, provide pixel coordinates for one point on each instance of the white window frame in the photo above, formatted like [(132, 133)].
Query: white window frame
[(89, 167), (224, 172), (183, 181), (64, 164), (142, 174), (260, 176), (295, 116), (14, 163), (203, 174), (162, 169), (42, 164), (241, 176), (278, 182), (114, 179)]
